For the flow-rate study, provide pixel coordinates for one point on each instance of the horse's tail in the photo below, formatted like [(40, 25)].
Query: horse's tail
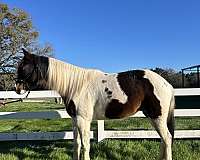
[(170, 119)]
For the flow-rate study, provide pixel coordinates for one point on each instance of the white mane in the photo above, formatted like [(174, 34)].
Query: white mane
[(68, 79)]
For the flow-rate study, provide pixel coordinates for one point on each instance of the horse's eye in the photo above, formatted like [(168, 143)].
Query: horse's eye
[(19, 81)]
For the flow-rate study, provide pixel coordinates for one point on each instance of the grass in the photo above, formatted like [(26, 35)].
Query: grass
[(107, 149), (143, 123), (30, 106), (115, 149)]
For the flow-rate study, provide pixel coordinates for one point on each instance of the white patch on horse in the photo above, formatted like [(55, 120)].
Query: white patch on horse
[(113, 85), (102, 86), (162, 90)]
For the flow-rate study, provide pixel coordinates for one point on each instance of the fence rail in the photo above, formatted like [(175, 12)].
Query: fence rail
[(102, 133)]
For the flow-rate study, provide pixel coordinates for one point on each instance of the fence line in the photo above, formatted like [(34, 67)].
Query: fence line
[(102, 133), (187, 92), (141, 134), (54, 94), (38, 136), (63, 114)]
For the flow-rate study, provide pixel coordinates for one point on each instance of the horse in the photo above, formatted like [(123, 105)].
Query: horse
[(91, 94)]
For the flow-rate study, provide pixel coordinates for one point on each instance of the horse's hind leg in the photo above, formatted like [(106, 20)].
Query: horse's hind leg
[(160, 125)]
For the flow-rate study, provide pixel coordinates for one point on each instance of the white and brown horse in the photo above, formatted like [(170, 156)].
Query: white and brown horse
[(91, 94)]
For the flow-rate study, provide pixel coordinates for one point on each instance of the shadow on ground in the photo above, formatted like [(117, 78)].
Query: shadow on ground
[(38, 149)]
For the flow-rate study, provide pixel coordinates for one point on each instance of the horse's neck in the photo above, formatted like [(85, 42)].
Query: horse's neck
[(76, 81), (68, 80)]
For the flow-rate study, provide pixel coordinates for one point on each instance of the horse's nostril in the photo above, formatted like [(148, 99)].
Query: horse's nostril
[(17, 91)]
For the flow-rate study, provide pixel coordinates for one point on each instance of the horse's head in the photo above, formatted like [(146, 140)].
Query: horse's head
[(31, 73)]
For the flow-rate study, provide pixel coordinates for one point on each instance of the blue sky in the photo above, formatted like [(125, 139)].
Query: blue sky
[(118, 35)]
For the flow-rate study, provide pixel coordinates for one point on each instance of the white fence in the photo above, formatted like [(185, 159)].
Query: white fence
[(102, 133)]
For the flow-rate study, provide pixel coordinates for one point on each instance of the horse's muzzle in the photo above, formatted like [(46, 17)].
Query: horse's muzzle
[(20, 88)]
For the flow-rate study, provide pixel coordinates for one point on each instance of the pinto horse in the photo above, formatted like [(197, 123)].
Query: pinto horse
[(92, 94)]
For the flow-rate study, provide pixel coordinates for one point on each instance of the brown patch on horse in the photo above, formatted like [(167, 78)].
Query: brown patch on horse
[(106, 89), (70, 107), (109, 93), (140, 93)]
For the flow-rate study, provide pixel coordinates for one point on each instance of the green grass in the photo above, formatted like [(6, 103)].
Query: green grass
[(35, 125), (143, 123), (42, 125), (28, 106), (112, 149), (105, 150)]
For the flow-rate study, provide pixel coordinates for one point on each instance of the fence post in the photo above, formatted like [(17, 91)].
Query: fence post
[(101, 132)]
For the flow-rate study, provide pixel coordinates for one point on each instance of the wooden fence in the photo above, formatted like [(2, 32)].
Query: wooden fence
[(102, 133)]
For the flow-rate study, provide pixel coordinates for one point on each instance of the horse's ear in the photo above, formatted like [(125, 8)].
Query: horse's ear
[(25, 52), (27, 55)]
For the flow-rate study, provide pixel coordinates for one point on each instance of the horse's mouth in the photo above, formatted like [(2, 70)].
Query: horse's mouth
[(19, 89)]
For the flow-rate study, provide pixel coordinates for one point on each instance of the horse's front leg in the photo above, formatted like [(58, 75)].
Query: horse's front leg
[(77, 140), (84, 130)]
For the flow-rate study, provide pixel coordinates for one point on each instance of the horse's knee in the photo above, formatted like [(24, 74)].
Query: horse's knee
[(167, 140)]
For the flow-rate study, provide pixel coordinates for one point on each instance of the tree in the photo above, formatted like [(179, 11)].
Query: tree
[(173, 77), (191, 80), (17, 31)]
